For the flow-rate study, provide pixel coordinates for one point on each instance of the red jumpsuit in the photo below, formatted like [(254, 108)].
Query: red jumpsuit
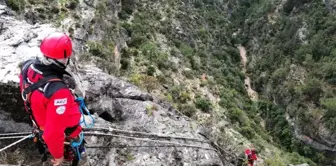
[(251, 156), (53, 106)]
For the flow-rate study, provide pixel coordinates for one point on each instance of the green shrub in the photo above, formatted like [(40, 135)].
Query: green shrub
[(152, 52), (247, 132), (149, 110), (204, 83), (184, 97), (101, 8), (175, 92), (198, 4), (125, 63), (329, 104), (123, 15), (187, 109), (332, 81), (312, 90), (16, 5), (186, 50), (235, 115), (295, 158), (238, 115), (150, 83), (194, 64), (164, 64), (203, 104), (279, 75), (72, 4), (129, 157), (135, 79), (234, 54), (34, 2), (150, 70), (274, 162), (188, 74), (137, 40), (169, 97), (177, 43), (96, 48)]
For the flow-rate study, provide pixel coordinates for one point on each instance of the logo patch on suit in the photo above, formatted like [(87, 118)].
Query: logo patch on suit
[(60, 110), (60, 101)]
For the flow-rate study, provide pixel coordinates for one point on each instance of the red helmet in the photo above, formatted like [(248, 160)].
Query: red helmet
[(56, 46)]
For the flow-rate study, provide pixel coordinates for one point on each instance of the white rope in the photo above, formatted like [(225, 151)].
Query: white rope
[(170, 144), (12, 134), (173, 145), (12, 137), (148, 134), (22, 139), (149, 140)]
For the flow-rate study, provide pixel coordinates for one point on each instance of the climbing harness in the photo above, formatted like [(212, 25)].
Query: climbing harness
[(28, 90), (78, 144)]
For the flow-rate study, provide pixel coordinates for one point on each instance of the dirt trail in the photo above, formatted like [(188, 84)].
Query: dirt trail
[(252, 94)]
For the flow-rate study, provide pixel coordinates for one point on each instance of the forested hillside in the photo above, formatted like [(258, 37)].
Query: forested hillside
[(186, 53), (292, 53)]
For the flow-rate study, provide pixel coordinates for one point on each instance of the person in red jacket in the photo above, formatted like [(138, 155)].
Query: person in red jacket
[(50, 103), (251, 156)]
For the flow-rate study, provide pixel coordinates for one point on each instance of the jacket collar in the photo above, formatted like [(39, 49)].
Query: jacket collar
[(48, 70)]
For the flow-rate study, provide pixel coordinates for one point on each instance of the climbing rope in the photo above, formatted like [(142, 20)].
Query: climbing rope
[(144, 146), (82, 107), (121, 136), (118, 131), (12, 137), (14, 143), (220, 150), (147, 140), (12, 134), (217, 149), (167, 144)]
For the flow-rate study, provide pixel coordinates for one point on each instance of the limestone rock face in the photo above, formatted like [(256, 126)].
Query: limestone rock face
[(131, 109)]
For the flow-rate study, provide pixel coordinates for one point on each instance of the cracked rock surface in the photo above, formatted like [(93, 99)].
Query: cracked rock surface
[(131, 109)]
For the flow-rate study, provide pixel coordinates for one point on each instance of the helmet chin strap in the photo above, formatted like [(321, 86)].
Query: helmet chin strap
[(60, 64)]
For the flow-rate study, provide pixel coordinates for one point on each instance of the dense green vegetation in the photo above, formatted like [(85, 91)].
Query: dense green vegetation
[(200, 36), (206, 45), (299, 41)]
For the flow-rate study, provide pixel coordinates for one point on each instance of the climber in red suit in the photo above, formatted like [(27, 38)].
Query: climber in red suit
[(251, 156), (52, 105)]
